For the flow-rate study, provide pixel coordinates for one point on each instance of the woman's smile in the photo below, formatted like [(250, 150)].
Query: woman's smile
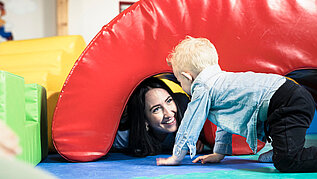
[(169, 121)]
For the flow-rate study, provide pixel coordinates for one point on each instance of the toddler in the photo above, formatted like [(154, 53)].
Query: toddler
[(254, 105)]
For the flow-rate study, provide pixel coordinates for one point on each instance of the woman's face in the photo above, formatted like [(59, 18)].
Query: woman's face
[(160, 109)]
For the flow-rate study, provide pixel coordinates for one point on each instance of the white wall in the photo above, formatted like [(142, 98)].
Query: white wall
[(86, 17), (28, 19)]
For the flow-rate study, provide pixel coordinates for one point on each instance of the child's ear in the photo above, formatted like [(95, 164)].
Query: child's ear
[(187, 75)]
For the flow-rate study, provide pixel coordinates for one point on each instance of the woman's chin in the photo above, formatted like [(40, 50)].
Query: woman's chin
[(172, 128)]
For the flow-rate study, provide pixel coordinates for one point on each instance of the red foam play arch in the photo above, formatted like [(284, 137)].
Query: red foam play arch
[(261, 36)]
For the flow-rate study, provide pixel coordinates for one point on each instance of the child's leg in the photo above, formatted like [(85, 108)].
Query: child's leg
[(290, 114)]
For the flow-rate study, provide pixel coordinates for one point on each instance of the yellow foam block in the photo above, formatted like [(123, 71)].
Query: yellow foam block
[(47, 68), (45, 61), (72, 44), (174, 87), (50, 61), (51, 103), (41, 77)]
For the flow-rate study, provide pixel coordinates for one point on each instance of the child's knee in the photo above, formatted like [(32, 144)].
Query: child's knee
[(284, 164)]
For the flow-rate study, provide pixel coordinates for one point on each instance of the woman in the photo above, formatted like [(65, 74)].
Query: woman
[(151, 119)]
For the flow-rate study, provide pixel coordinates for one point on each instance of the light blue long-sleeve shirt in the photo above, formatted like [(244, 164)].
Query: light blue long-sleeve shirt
[(236, 102)]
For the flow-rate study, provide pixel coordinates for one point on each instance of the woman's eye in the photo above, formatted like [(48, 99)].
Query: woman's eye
[(169, 100), (155, 110)]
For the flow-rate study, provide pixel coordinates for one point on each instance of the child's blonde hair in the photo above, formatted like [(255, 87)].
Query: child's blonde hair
[(192, 54)]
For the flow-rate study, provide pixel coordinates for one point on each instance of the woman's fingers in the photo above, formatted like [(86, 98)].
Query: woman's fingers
[(199, 146)]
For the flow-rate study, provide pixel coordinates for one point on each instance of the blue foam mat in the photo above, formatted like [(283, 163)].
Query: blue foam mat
[(117, 165)]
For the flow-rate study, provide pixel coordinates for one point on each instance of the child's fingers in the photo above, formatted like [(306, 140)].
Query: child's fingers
[(9, 141), (200, 158), (211, 159), (158, 161), (196, 160), (207, 158), (161, 161), (166, 161)]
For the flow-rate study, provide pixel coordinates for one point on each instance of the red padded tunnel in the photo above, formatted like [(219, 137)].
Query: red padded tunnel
[(261, 36)]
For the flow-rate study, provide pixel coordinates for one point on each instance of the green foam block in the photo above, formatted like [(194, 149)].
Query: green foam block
[(23, 109), (36, 119), (12, 107)]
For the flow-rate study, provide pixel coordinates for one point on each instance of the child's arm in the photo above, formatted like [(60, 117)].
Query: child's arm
[(223, 145), (174, 160), (223, 142), (190, 127), (211, 158)]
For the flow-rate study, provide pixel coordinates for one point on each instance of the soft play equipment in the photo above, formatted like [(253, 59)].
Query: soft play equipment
[(23, 108), (36, 113), (45, 61), (261, 36)]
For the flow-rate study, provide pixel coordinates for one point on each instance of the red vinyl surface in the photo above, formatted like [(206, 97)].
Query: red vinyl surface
[(239, 144), (261, 36)]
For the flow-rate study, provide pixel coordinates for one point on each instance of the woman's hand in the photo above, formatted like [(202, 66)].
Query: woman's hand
[(211, 158), (167, 161), (9, 141), (199, 146)]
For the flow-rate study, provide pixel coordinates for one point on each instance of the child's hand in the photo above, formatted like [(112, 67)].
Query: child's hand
[(211, 158), (167, 161), (9, 142)]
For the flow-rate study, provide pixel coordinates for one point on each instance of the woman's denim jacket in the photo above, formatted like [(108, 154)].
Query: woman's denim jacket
[(236, 102)]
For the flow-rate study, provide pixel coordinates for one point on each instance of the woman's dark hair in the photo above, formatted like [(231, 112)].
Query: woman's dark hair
[(142, 142)]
